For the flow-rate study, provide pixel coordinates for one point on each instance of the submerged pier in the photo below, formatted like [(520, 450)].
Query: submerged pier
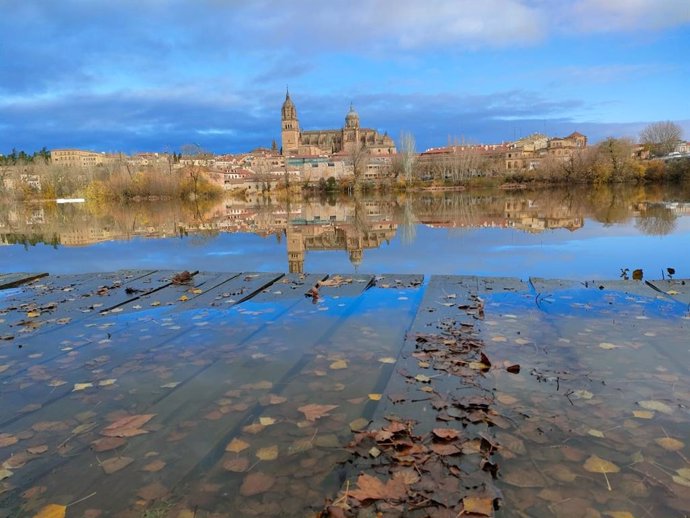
[(264, 394)]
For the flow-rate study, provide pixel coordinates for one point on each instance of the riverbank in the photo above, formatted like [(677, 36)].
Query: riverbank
[(213, 393)]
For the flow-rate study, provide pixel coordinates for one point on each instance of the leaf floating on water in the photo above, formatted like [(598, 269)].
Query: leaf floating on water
[(422, 378), (81, 386), (582, 394), (618, 514), (359, 424), (375, 397), (183, 298), (107, 444), (52, 511), (595, 433), (238, 465), (643, 414), (171, 385), (477, 505), (446, 433), (338, 364), (5, 473), (154, 466), (313, 412), (116, 464), (596, 464), (684, 472), (371, 488), (256, 483), (656, 405), (681, 481), (33, 314), (268, 453), (128, 426), (37, 450), (608, 346), (7, 440), (107, 383), (237, 445), (267, 421), (155, 303), (669, 443), (387, 359)]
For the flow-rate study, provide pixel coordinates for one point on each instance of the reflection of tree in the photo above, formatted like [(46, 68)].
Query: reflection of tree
[(656, 220), (409, 223)]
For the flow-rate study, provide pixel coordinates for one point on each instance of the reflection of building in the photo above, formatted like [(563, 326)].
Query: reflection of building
[(532, 217), (326, 142)]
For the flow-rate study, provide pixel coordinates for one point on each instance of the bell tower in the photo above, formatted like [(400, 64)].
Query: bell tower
[(290, 127)]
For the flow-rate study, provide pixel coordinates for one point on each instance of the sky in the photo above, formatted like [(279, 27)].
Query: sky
[(155, 75)]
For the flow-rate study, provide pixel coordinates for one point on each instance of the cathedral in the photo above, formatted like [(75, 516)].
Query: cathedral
[(328, 142)]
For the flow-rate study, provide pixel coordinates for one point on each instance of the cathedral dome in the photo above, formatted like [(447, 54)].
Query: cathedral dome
[(289, 111), (352, 118)]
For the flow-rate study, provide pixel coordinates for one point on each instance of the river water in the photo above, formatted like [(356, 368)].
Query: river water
[(579, 233)]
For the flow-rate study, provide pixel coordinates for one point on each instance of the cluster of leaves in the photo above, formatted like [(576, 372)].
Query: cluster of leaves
[(21, 157)]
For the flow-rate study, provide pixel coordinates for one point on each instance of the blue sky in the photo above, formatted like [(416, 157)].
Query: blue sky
[(153, 75)]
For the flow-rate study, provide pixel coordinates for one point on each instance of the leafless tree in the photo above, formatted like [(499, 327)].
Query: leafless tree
[(661, 137), (359, 158), (408, 154)]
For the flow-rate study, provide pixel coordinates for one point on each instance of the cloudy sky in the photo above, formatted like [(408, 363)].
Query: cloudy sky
[(152, 75)]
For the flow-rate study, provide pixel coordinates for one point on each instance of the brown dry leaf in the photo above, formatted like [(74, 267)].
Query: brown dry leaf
[(643, 414), (127, 426), (153, 491), (656, 405), (313, 412), (37, 450), (478, 505), (359, 424), (618, 514), (52, 511), (408, 476), (446, 433), (371, 488), (274, 399), (267, 421), (116, 464), (684, 472), (338, 364), (154, 466), (253, 428), (7, 439), (681, 481), (49, 426), (669, 443), (256, 483), (237, 445), (33, 314), (81, 386), (107, 444), (238, 465), (375, 397), (596, 464), (268, 453), (422, 378)]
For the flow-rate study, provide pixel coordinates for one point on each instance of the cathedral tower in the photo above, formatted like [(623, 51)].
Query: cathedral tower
[(290, 127)]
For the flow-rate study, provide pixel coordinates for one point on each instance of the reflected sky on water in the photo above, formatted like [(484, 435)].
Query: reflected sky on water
[(579, 234)]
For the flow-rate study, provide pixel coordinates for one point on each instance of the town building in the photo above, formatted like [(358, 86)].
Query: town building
[(79, 158), (528, 153), (326, 142)]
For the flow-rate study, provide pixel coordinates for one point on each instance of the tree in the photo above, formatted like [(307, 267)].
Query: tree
[(408, 154), (661, 137), (359, 157)]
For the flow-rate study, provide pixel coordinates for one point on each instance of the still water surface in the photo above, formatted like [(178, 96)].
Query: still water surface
[(582, 233)]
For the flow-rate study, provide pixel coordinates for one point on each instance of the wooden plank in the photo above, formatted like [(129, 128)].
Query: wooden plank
[(185, 401), (12, 280)]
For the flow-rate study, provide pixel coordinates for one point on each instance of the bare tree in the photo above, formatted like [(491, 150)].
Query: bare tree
[(359, 157), (408, 154), (661, 137)]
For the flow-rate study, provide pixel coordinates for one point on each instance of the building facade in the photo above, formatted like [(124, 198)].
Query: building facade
[(327, 142)]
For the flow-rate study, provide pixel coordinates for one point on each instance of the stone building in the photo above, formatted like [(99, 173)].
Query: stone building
[(327, 142)]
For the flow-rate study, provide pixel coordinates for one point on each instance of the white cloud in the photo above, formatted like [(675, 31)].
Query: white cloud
[(627, 15)]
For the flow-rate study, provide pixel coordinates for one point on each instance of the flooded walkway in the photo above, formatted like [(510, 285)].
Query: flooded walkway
[(148, 393)]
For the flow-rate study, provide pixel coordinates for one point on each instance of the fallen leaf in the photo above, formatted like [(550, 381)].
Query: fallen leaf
[(684, 472), (52, 511), (7, 440), (256, 483), (128, 426), (596, 464), (618, 514), (338, 364), (237, 445), (116, 464), (582, 394), (153, 491), (238, 465), (643, 414), (513, 369), (107, 444), (608, 346), (446, 433), (171, 385), (669, 443), (183, 298), (81, 386), (595, 433), (371, 488), (359, 424), (387, 359), (274, 399), (154, 466), (37, 450), (33, 314), (681, 481), (107, 383), (5, 473), (478, 505), (375, 397), (268, 453), (422, 378), (313, 412), (267, 421), (656, 405)]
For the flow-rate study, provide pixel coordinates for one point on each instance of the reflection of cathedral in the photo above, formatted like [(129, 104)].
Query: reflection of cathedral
[(345, 236), (326, 142)]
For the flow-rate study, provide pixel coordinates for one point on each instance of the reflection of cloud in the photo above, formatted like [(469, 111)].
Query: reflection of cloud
[(627, 15)]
